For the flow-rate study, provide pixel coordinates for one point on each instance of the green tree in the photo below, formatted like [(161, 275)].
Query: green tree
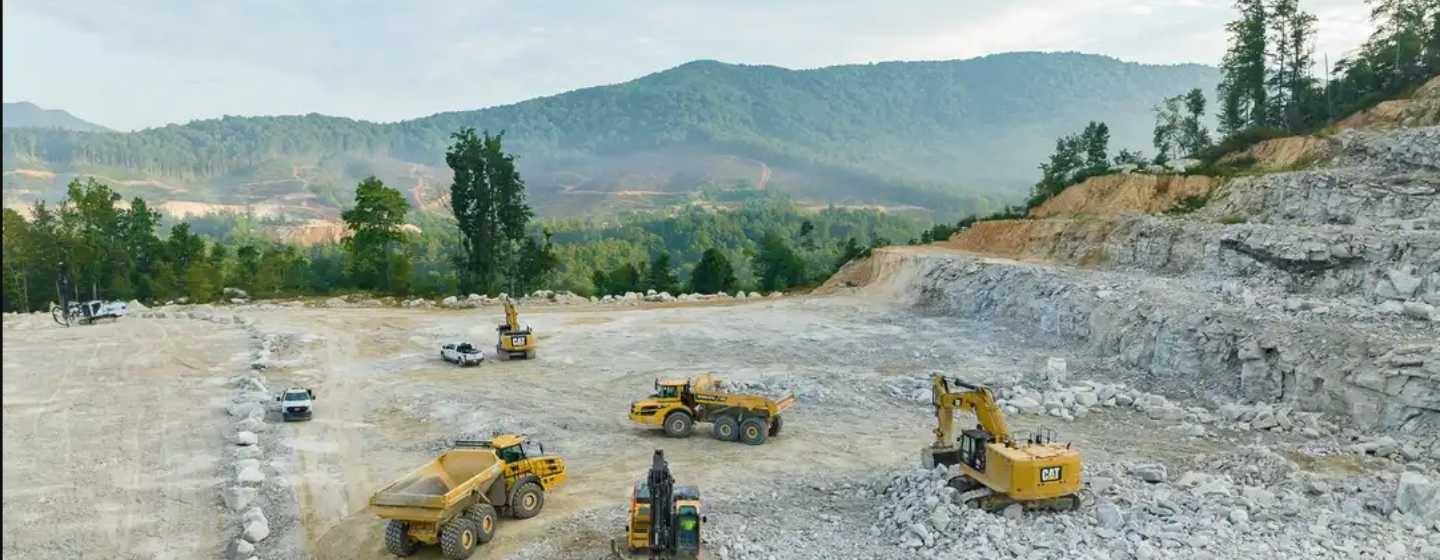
[(777, 264), (661, 277), (1096, 139), (1194, 135), (1242, 90), (713, 274), (488, 199), (850, 251), (537, 264), (375, 225), (1292, 33), (16, 262)]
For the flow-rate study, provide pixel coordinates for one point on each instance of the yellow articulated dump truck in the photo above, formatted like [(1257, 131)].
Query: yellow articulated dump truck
[(454, 499), (678, 404)]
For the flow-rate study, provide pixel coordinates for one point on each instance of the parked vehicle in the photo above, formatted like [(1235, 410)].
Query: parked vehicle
[(464, 354)]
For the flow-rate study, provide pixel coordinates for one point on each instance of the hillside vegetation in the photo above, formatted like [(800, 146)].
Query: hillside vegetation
[(953, 136)]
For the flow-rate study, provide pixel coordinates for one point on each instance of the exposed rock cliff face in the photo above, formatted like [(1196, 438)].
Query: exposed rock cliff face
[(1317, 288)]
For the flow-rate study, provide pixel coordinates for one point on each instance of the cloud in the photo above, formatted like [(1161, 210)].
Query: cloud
[(150, 62)]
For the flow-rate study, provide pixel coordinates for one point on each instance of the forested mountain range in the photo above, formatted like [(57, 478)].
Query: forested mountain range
[(948, 136), (28, 115)]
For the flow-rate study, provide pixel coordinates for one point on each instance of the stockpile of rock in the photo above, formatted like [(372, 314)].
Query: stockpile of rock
[(1250, 504)]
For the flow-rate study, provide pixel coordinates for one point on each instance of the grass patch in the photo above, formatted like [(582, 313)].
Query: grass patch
[(1232, 220), (1188, 205)]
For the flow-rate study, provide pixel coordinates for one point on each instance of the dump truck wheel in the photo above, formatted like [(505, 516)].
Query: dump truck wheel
[(725, 428), (484, 517), (775, 426), (459, 538), (530, 354), (527, 501), (752, 431), (398, 540), (679, 424)]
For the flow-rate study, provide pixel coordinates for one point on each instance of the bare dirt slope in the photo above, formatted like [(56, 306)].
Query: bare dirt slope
[(112, 438)]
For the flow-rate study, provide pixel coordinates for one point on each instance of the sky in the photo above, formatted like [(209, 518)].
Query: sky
[(143, 63)]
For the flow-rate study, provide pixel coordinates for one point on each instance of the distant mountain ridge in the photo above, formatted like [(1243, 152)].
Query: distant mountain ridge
[(952, 136), (24, 114)]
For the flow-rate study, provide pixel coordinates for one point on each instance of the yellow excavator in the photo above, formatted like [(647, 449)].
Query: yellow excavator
[(516, 340), (996, 468), (665, 517)]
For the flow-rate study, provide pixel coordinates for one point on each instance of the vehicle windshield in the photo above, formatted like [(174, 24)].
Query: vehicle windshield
[(297, 396), (511, 454), (668, 392)]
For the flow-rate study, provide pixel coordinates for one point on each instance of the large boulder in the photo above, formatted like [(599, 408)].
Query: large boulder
[(1418, 497)]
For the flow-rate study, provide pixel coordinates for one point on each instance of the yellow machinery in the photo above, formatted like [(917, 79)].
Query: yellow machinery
[(453, 499), (665, 518), (678, 404), (997, 469), (516, 340)]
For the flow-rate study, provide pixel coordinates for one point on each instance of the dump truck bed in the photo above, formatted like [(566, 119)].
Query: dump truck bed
[(431, 492), (714, 397)]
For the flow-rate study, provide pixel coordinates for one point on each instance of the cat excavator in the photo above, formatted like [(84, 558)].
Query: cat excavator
[(516, 340), (997, 468), (665, 517)]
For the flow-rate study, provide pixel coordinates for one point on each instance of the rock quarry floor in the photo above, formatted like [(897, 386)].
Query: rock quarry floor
[(119, 438)]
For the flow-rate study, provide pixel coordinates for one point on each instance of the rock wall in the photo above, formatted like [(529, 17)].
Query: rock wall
[(1187, 341)]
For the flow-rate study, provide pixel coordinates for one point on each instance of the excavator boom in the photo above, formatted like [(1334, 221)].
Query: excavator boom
[(976, 399)]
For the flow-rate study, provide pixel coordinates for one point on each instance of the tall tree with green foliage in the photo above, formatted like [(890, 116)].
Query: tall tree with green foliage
[(1096, 139), (488, 199), (713, 274), (1292, 37), (1242, 90), (375, 225), (537, 264), (15, 262), (777, 264), (661, 276), (1194, 135)]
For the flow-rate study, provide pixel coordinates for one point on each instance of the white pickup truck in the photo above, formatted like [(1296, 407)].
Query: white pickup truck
[(295, 403), (464, 354)]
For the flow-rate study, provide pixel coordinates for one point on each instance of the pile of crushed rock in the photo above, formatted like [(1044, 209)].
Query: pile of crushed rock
[(1252, 503)]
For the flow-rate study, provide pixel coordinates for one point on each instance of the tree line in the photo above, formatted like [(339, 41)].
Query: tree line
[(1268, 89), (114, 249)]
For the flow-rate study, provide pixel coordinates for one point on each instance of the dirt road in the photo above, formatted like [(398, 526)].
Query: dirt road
[(112, 438)]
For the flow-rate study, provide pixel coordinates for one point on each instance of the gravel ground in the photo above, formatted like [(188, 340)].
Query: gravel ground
[(823, 489)]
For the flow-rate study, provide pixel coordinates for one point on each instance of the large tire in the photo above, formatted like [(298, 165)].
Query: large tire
[(527, 501), (775, 425), (529, 354), (725, 428), (459, 538), (752, 431), (484, 518), (679, 424), (398, 540)]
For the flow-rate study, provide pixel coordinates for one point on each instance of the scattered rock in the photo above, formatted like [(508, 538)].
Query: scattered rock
[(246, 438), (1149, 472)]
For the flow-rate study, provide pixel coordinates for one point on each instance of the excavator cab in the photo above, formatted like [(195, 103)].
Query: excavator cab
[(972, 448)]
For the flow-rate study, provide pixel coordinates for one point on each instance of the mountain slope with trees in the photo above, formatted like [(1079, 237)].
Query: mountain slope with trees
[(953, 136), (25, 114)]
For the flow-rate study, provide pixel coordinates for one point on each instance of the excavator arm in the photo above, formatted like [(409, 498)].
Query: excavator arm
[(512, 317), (974, 398)]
